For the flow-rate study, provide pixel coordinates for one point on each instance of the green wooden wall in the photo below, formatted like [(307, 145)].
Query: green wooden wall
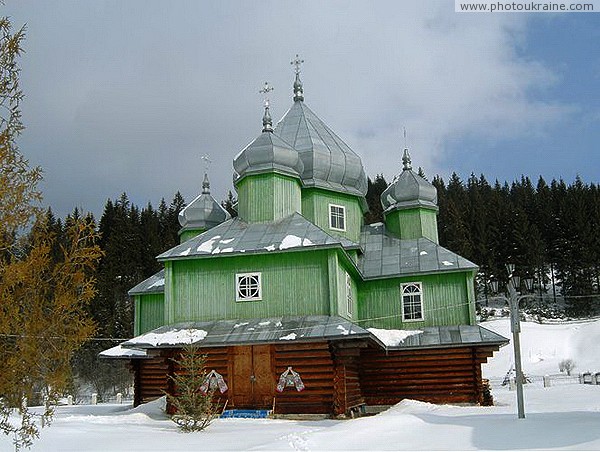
[(268, 197), (293, 283), (187, 234), (413, 223), (149, 312), (448, 299), (315, 207)]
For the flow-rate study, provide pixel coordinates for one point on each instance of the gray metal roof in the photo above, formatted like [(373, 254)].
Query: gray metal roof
[(154, 284), (237, 237), (250, 331), (328, 162), (203, 212), (387, 256), (449, 336), (409, 190), (268, 152), (282, 330)]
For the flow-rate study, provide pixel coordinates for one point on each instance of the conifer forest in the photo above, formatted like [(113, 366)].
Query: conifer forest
[(549, 230)]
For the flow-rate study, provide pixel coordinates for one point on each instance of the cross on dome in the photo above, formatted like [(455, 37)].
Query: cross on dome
[(298, 90), (267, 121)]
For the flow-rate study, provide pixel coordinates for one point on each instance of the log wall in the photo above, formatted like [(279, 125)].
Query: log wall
[(150, 380), (448, 375), (315, 365)]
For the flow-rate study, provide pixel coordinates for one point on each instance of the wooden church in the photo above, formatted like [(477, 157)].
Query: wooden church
[(298, 305)]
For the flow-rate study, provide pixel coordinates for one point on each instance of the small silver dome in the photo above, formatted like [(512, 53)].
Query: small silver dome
[(268, 153), (204, 212), (409, 190)]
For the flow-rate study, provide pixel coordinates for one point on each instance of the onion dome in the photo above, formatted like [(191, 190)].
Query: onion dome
[(267, 153), (328, 162), (409, 190), (204, 212)]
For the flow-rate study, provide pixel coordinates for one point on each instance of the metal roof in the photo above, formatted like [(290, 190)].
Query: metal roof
[(409, 190), (154, 284), (386, 256), (328, 162), (268, 152), (204, 211), (450, 336), (238, 237), (282, 330), (250, 331)]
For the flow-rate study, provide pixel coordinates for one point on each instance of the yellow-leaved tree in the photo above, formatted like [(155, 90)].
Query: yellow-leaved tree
[(43, 293)]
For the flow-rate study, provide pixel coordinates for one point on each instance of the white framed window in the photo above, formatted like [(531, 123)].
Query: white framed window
[(412, 301), (248, 287), (337, 217), (349, 297)]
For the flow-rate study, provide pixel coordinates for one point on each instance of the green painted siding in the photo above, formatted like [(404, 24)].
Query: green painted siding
[(315, 208), (448, 299), (413, 223), (184, 236), (149, 312), (293, 283), (268, 197)]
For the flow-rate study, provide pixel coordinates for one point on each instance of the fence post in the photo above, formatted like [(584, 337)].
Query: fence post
[(546, 381)]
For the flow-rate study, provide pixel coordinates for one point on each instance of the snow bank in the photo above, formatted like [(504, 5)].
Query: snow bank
[(543, 346)]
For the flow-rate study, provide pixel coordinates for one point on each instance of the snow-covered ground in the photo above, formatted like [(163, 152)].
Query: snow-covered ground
[(565, 417)]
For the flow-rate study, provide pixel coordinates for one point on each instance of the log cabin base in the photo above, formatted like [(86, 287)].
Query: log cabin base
[(338, 378)]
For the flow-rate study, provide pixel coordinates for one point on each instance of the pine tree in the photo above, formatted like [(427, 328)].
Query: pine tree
[(229, 204), (374, 191), (194, 408)]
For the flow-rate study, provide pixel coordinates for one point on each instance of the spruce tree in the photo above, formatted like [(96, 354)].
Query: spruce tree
[(193, 404)]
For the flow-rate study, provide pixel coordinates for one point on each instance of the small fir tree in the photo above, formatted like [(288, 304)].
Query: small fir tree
[(193, 403)]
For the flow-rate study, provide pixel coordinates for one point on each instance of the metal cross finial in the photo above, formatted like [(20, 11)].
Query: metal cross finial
[(267, 121), (266, 90), (296, 62), (207, 161), (405, 145)]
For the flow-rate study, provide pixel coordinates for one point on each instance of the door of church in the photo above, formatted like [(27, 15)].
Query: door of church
[(253, 381)]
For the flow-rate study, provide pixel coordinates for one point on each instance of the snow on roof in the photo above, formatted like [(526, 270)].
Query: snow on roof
[(122, 352), (293, 231), (393, 338), (173, 337)]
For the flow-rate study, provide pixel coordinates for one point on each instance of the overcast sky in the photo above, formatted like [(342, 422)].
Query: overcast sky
[(126, 96)]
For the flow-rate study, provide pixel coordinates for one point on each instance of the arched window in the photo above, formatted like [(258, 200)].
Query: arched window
[(412, 301)]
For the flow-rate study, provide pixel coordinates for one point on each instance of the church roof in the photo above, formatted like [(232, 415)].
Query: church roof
[(409, 190), (387, 256), (154, 284), (238, 237), (281, 330), (204, 211), (329, 163), (268, 152), (293, 329)]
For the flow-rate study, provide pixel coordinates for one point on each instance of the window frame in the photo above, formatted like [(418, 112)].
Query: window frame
[(404, 296), (349, 296), (343, 217), (238, 279)]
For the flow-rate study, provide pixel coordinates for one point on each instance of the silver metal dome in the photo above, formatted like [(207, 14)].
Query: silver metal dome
[(409, 190), (204, 212), (267, 153), (328, 162)]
